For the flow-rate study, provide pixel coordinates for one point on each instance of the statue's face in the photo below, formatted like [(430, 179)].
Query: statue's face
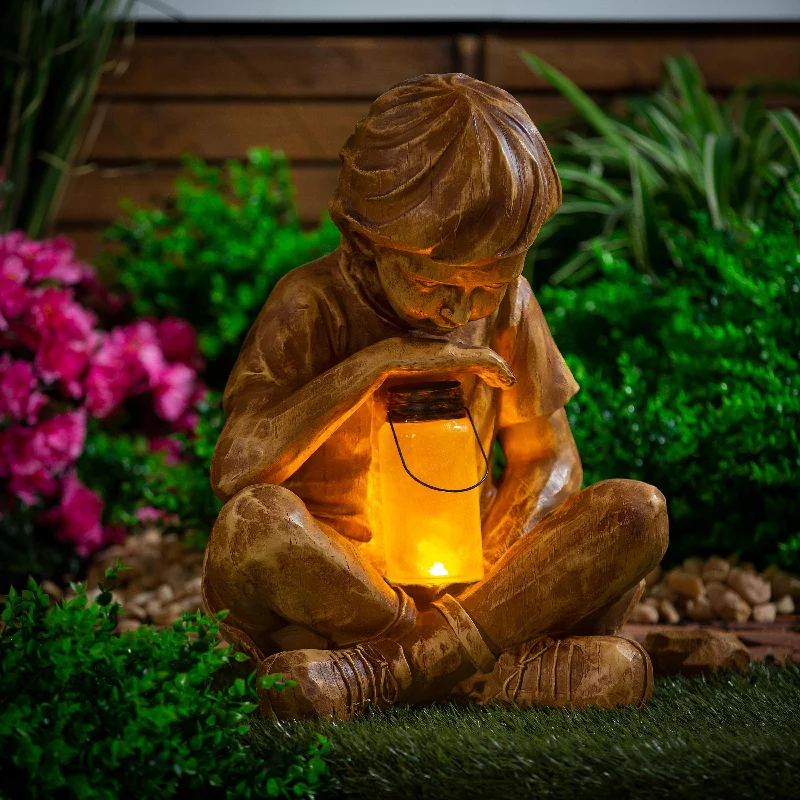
[(437, 297)]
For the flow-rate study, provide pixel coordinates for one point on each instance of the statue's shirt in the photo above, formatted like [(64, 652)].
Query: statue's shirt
[(319, 315)]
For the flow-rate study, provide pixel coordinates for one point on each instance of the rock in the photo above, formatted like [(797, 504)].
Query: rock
[(134, 611), (668, 613), (694, 566), (165, 594), (142, 598), (715, 590), (679, 651), (785, 605), (192, 604), (54, 592), (783, 583), (168, 615), (686, 584), (765, 612), (175, 576), (716, 569), (192, 586), (153, 608), (700, 609), (752, 587), (644, 614), (126, 624), (652, 577), (663, 592), (731, 606), (650, 601)]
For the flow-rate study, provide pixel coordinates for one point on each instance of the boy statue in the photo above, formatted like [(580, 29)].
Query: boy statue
[(443, 188)]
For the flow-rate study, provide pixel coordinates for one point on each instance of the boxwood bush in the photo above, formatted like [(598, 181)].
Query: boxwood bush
[(85, 713), (691, 381)]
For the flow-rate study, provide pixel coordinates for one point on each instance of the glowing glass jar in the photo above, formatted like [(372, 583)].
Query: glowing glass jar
[(429, 486)]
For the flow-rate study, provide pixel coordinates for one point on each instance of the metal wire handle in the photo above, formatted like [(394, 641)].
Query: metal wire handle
[(438, 488)]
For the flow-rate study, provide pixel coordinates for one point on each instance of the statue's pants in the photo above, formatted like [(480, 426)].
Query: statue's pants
[(291, 582)]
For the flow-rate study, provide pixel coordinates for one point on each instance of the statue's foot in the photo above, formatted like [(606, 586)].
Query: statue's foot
[(574, 672), (336, 683)]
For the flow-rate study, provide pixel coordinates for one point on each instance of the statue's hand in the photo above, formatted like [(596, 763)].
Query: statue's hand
[(412, 355)]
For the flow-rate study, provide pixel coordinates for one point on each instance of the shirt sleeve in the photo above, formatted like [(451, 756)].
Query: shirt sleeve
[(544, 381), (292, 342)]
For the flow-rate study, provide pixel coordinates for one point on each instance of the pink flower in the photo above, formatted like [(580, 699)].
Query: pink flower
[(46, 260), (143, 350), (178, 340), (59, 441), (15, 297), (170, 447), (61, 334), (173, 392), (128, 362), (108, 380), (33, 457), (148, 514), (19, 398), (28, 479), (79, 517)]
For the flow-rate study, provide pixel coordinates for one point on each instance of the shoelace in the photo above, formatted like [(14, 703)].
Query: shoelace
[(374, 682), (534, 652)]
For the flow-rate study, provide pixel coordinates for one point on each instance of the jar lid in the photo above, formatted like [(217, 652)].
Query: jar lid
[(421, 402)]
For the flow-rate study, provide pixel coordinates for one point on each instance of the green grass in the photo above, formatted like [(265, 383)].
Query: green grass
[(726, 736)]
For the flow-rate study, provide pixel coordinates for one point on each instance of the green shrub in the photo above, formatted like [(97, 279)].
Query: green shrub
[(691, 383), (132, 479), (85, 713), (671, 153), (214, 257)]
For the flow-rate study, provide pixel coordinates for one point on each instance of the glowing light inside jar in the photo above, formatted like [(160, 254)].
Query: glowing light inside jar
[(430, 537)]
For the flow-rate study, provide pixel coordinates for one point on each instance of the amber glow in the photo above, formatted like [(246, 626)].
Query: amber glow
[(430, 537)]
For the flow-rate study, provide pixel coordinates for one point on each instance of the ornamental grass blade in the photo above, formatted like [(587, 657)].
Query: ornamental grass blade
[(717, 172), (701, 113), (788, 125), (584, 104), (604, 187), (637, 224)]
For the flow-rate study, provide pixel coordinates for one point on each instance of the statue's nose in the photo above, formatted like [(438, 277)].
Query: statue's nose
[(457, 313)]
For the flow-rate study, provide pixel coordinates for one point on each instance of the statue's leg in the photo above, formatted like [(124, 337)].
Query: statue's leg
[(289, 581), (587, 561), (580, 559)]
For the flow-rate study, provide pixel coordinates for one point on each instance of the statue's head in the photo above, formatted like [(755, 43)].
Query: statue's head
[(444, 185)]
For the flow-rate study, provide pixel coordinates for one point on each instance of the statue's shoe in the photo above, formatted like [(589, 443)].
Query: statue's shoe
[(335, 683), (574, 672)]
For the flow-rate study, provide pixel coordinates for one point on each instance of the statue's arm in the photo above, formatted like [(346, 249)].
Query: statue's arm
[(543, 469), (264, 441)]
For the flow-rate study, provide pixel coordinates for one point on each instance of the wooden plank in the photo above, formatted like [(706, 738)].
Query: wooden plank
[(624, 62), (94, 198), (139, 131), (308, 66), (87, 240)]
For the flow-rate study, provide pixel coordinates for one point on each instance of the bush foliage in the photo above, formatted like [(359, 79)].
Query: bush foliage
[(691, 382), (669, 154), (85, 713), (214, 257)]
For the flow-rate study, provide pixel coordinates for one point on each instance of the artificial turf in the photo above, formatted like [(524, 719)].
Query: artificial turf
[(724, 736)]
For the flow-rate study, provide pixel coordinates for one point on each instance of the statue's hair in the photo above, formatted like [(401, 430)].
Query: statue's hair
[(445, 165)]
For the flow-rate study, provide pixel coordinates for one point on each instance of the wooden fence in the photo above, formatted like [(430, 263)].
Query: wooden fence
[(217, 96)]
